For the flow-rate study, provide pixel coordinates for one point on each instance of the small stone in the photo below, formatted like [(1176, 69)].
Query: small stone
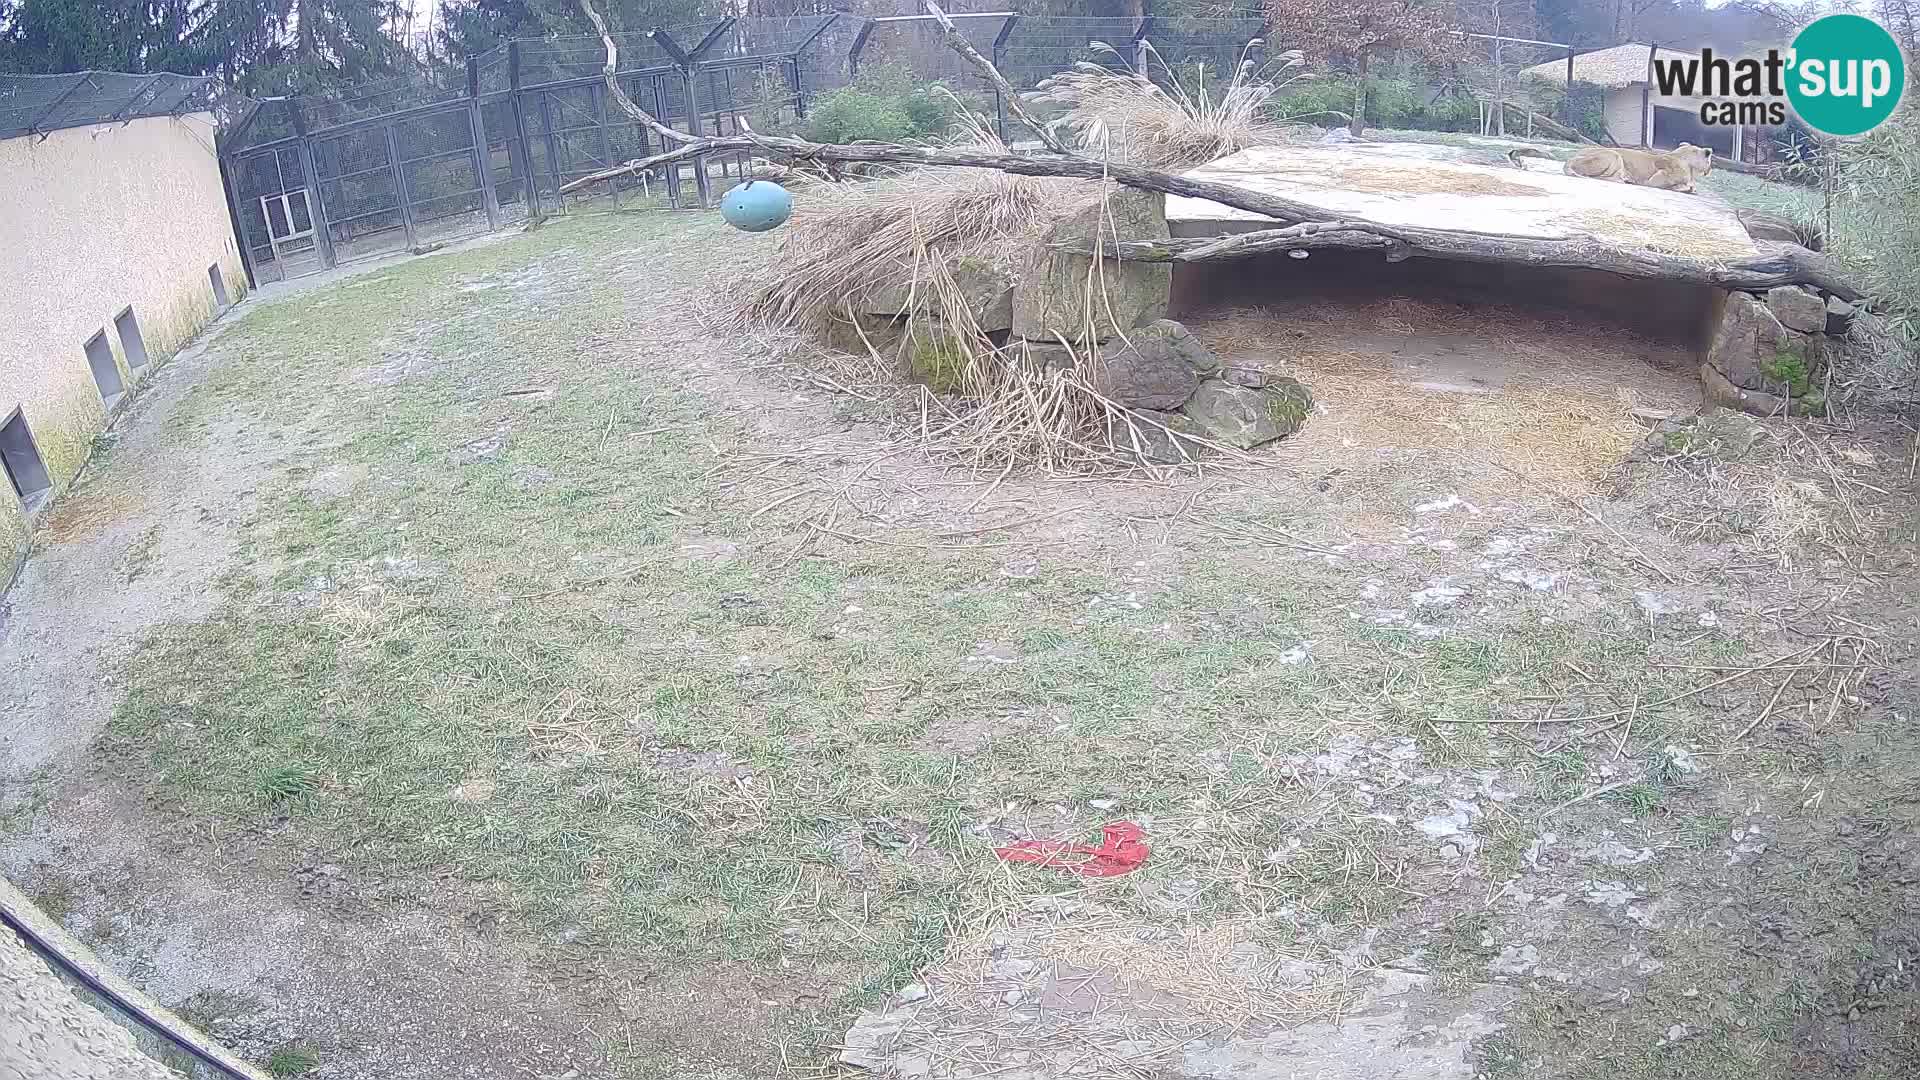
[(1010, 968), (869, 1042), (1798, 309), (910, 993), (1013, 997), (1839, 316)]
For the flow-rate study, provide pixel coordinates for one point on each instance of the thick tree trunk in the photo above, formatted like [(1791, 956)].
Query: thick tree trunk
[(1359, 121)]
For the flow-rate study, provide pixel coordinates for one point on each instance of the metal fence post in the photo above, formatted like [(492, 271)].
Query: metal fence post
[(999, 58), (687, 65), (702, 186), (606, 137), (1141, 47), (799, 91), (482, 151), (529, 189), (660, 114), (400, 189), (316, 200), (859, 46), (1568, 100), (553, 149)]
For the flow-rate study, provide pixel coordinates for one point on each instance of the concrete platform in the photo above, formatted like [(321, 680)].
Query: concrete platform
[(1420, 184)]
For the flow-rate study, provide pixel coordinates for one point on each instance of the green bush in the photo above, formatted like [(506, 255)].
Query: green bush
[(1876, 231), (1392, 102), (882, 105)]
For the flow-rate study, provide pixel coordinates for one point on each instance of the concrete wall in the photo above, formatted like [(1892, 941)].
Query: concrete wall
[(93, 219)]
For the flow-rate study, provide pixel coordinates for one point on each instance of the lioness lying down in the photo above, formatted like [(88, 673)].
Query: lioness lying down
[(1675, 170)]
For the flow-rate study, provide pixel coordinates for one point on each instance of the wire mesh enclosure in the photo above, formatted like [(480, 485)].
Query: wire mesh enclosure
[(405, 164), (41, 104)]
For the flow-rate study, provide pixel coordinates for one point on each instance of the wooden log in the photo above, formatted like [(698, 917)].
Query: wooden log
[(1777, 264)]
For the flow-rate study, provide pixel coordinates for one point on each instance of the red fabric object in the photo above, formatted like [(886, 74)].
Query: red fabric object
[(1121, 852)]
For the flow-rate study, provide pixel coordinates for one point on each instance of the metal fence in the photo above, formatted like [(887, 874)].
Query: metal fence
[(39, 105), (402, 165)]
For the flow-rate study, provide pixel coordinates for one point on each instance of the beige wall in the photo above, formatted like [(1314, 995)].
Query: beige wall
[(93, 219), (1622, 114)]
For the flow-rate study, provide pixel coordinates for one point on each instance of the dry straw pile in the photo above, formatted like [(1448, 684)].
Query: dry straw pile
[(849, 239), (1127, 116)]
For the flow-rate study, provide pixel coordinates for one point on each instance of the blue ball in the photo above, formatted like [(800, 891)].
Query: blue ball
[(756, 206)]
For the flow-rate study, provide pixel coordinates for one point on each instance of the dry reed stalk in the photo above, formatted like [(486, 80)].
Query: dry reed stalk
[(1171, 123)]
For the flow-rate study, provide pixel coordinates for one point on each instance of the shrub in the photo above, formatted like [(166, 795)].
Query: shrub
[(882, 105), (1876, 231), (1393, 101)]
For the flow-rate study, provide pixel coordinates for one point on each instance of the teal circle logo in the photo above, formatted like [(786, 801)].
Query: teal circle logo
[(1846, 75)]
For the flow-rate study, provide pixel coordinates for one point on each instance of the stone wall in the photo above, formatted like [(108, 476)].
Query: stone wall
[(1769, 354)]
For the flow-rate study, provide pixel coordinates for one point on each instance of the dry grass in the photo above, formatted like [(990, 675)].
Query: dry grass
[(1437, 178), (1126, 116), (1795, 497), (1662, 234), (1073, 983), (924, 238), (850, 240)]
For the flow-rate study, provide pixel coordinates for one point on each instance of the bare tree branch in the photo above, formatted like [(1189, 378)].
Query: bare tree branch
[(609, 71), (958, 43)]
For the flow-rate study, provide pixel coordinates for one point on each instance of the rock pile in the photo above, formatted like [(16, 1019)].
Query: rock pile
[(1063, 309), (1767, 356)]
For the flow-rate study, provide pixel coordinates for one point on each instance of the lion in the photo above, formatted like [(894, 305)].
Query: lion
[(1677, 169)]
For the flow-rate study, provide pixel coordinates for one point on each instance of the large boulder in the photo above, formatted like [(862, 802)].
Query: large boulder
[(985, 287), (1156, 366), (1246, 416), (1065, 294), (1798, 309), (1757, 364)]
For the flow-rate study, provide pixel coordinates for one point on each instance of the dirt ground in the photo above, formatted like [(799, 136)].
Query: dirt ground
[(488, 665)]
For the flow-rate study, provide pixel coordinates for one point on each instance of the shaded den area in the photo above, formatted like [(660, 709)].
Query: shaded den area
[(1541, 371)]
